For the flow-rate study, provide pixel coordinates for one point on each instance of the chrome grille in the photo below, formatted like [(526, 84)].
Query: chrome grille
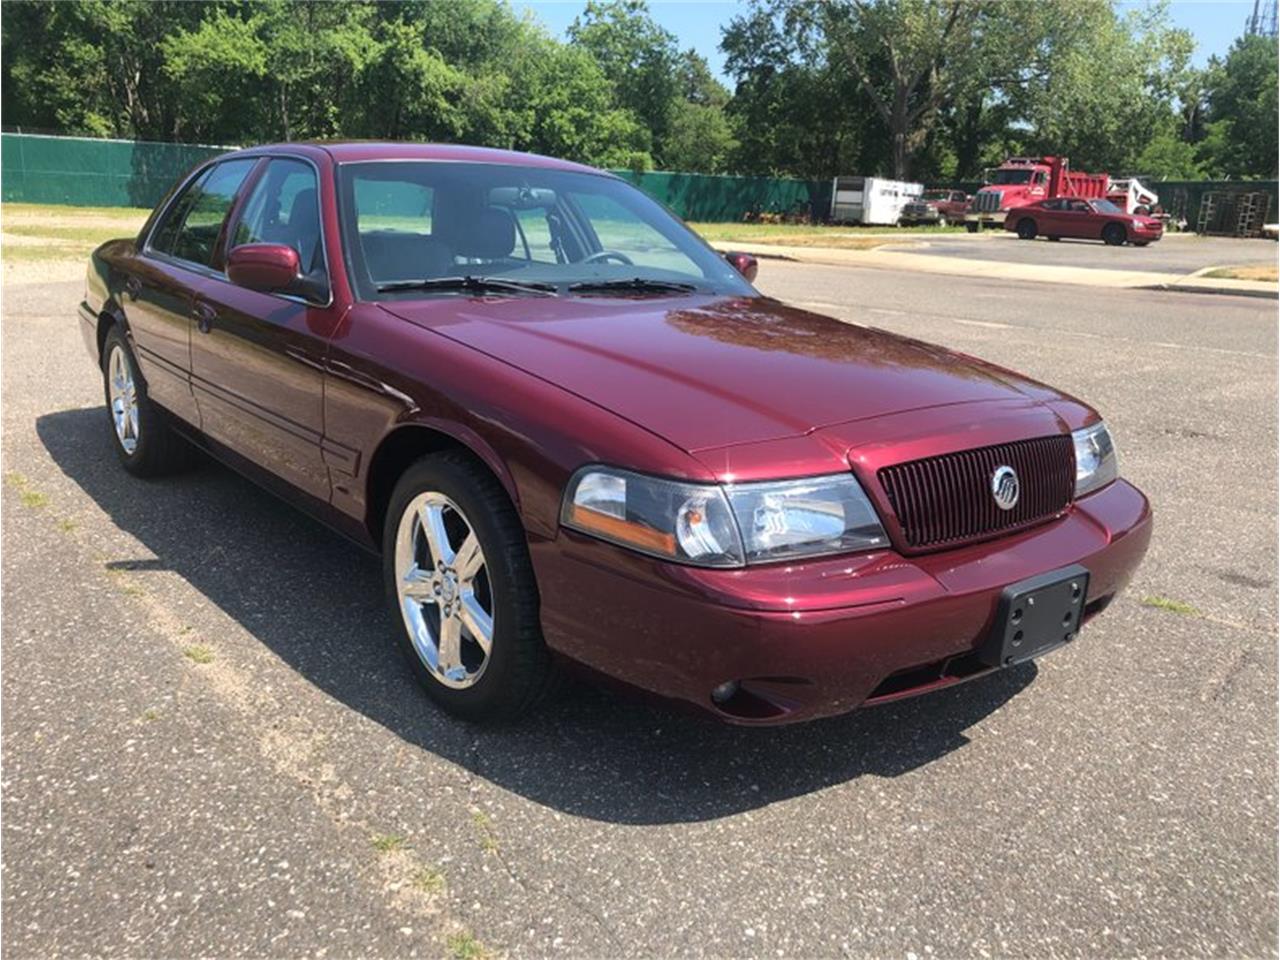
[(988, 201), (947, 500)]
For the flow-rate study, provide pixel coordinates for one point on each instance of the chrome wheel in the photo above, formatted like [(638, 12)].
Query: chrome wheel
[(123, 394), (443, 589)]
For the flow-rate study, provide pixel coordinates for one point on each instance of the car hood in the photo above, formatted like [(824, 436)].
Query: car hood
[(707, 371)]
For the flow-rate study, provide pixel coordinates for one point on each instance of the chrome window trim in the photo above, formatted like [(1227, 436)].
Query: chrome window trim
[(209, 272)]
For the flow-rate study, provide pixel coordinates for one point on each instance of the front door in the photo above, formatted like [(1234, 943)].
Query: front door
[(1076, 217), (257, 358)]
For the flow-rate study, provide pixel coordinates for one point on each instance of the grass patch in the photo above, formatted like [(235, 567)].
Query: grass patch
[(1171, 605), (1261, 271), (198, 653), (34, 499), (801, 234), (484, 827), (24, 210), (151, 713), (85, 235), (65, 525), (388, 842), (428, 880), (463, 946)]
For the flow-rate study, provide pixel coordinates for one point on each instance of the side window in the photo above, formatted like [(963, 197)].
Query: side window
[(190, 231), (536, 232), (285, 208), (623, 232)]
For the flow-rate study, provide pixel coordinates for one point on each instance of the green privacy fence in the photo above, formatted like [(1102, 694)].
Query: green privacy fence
[(707, 197), (92, 173), (126, 173)]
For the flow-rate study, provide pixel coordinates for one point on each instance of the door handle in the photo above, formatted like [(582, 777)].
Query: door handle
[(133, 287), (205, 315)]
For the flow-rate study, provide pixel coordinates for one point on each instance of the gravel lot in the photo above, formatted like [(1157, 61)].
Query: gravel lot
[(211, 748), (1176, 253)]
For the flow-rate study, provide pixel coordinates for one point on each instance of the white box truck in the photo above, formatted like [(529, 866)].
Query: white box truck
[(871, 200)]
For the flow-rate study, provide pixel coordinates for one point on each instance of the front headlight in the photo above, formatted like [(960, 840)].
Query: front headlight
[(722, 526), (1096, 464)]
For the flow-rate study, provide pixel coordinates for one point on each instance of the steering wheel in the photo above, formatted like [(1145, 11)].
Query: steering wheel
[(600, 256)]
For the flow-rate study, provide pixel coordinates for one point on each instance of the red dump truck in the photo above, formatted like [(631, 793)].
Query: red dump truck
[(1023, 180)]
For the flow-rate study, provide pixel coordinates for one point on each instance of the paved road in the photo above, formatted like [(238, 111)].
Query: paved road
[(1181, 254), (295, 795)]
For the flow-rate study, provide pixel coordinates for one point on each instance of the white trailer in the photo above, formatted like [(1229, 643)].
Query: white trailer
[(871, 199)]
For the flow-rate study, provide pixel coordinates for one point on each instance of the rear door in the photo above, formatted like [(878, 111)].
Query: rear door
[(257, 358), (158, 288)]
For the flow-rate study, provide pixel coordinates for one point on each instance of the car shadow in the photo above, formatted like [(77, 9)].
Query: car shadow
[(316, 601)]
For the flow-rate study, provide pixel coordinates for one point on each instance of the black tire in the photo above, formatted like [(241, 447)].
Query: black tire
[(971, 226), (158, 450), (1141, 243), (518, 672), (1053, 239), (1113, 235), (1026, 229)]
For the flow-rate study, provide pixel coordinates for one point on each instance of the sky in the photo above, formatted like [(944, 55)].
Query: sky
[(1214, 23)]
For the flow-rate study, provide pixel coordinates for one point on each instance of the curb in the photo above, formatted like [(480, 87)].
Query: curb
[(1214, 291)]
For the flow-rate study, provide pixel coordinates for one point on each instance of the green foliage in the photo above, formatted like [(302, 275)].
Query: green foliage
[(1242, 110), (928, 89)]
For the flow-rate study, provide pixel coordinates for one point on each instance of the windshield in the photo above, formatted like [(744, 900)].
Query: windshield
[(935, 195), (410, 221), (1105, 206), (1012, 176)]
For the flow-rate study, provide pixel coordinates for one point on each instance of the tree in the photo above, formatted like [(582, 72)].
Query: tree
[(637, 56), (1242, 110), (1110, 95)]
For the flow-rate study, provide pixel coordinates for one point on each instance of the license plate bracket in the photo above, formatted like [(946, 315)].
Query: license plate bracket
[(1037, 615)]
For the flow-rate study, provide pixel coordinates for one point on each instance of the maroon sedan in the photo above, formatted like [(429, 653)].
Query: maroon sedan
[(1083, 220), (577, 435)]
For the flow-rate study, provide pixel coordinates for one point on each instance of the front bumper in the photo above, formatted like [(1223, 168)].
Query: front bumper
[(994, 218), (821, 637)]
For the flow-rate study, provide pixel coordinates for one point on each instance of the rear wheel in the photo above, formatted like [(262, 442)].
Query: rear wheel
[(1113, 235), (144, 441), (457, 572), (1053, 239), (1026, 229)]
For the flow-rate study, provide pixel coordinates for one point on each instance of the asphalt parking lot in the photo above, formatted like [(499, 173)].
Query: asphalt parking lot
[(211, 748), (1175, 253)]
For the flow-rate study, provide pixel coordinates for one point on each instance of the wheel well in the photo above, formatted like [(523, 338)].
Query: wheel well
[(1027, 220), (398, 450)]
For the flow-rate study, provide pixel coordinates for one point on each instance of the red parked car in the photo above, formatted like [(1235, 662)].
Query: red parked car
[(577, 435), (1083, 220)]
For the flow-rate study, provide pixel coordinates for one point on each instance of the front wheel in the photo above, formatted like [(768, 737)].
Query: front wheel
[(1026, 229), (1113, 235), (145, 443), (971, 226), (458, 574)]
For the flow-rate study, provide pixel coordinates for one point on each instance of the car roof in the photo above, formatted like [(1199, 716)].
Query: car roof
[(352, 151)]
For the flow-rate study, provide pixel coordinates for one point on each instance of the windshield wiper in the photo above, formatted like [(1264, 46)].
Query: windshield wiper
[(635, 283), (474, 284)]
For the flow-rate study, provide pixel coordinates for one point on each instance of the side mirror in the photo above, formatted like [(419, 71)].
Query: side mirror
[(745, 264), (268, 267)]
